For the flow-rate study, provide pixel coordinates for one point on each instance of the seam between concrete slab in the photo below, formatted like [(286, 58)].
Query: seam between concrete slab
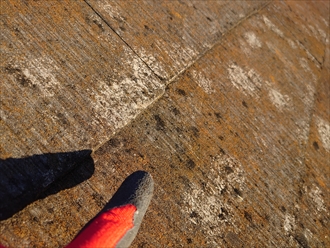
[(181, 72), (218, 42), (320, 63), (108, 24), (311, 115)]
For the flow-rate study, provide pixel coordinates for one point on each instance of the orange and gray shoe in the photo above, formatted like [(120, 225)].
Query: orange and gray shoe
[(118, 223)]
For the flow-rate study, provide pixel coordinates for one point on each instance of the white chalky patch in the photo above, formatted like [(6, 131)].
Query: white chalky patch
[(291, 43), (316, 195), (252, 39), (313, 30), (289, 223), (190, 52), (322, 34), (226, 173), (203, 82), (304, 64), (119, 102), (308, 234), (271, 47), (153, 63), (248, 81), (113, 11), (326, 22), (272, 27), (245, 47), (302, 131), (185, 57), (40, 72), (278, 99), (306, 30), (323, 128), (318, 33)]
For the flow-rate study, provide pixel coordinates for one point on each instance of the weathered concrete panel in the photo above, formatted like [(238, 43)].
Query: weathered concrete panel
[(170, 35), (237, 145), (68, 81)]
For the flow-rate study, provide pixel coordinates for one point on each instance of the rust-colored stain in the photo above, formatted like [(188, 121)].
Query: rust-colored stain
[(226, 104)]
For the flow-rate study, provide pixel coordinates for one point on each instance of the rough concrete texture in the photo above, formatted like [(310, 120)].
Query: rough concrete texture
[(226, 104)]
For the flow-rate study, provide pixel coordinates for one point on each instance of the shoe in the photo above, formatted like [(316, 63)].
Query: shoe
[(118, 222)]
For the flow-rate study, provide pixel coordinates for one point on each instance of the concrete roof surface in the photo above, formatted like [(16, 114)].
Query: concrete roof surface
[(225, 103)]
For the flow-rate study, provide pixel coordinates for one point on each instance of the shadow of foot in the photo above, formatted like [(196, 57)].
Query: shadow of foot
[(24, 180)]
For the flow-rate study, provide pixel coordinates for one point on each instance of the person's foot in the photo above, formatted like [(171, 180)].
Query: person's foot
[(118, 222)]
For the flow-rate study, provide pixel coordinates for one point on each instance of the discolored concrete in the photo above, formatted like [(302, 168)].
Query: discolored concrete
[(226, 104)]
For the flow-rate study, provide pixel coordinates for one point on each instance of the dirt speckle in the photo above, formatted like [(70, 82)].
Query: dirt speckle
[(190, 164), (248, 216), (160, 124), (195, 131), (20, 77), (114, 142), (301, 239)]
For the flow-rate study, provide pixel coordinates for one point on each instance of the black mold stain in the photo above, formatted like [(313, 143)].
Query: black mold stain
[(221, 216), (193, 214), (238, 192), (98, 199), (175, 111), (129, 150), (209, 19), (99, 24), (62, 119), (222, 151), (19, 76), (195, 131), (301, 239), (181, 92), (160, 124), (248, 216), (142, 245), (218, 115), (185, 181), (245, 104), (223, 190), (190, 164), (114, 142), (228, 170)]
